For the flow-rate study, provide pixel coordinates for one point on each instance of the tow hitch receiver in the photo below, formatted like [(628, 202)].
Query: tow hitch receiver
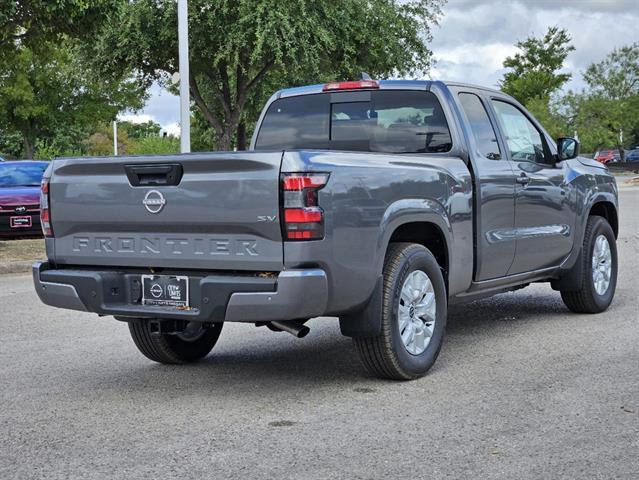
[(174, 327)]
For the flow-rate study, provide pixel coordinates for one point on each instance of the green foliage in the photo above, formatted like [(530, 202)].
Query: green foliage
[(46, 150), (534, 70), (29, 23), (140, 130), (617, 76), (10, 145), (202, 134), (546, 110), (242, 49), (156, 145), (610, 104), (47, 91), (48, 95), (65, 142), (599, 113), (100, 141)]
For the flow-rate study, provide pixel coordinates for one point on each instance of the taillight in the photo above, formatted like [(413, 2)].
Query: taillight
[(302, 217), (45, 212), (351, 85)]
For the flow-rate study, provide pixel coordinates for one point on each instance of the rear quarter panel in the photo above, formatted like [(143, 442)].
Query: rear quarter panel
[(367, 197)]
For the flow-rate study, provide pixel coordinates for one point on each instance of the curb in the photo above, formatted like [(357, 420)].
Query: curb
[(15, 267)]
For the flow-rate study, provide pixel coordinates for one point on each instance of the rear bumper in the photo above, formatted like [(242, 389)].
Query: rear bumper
[(293, 294)]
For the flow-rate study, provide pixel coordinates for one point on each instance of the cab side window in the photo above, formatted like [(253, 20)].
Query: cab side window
[(522, 137), (480, 124)]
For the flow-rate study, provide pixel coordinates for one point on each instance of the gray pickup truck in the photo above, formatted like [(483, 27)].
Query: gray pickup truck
[(378, 202)]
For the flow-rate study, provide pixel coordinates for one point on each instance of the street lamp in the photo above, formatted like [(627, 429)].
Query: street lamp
[(183, 47), (115, 138)]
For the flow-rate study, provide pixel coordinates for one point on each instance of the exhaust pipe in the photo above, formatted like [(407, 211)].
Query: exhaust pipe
[(295, 328)]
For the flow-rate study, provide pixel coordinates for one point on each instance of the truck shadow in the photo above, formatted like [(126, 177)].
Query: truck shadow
[(504, 311), (250, 363)]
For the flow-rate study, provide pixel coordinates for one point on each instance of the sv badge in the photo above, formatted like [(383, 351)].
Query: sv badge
[(267, 218)]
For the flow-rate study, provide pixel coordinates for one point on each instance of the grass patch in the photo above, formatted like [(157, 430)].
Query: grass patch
[(21, 250)]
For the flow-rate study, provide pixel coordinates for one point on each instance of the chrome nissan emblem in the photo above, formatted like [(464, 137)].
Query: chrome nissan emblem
[(21, 209), (154, 201), (157, 290)]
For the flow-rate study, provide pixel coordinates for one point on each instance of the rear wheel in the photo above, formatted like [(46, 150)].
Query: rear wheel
[(413, 315), (190, 345), (598, 269)]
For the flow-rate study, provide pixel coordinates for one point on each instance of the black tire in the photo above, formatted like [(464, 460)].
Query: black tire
[(171, 349), (586, 299), (385, 356)]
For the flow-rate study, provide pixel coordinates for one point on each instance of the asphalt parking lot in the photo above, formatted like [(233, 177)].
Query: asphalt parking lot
[(522, 389)]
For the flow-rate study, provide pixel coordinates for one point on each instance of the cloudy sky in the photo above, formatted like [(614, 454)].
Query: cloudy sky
[(475, 36)]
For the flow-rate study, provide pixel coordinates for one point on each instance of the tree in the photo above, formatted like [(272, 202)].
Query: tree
[(140, 130), (48, 111), (610, 103), (614, 83), (535, 69), (156, 145), (10, 144), (30, 22), (549, 112), (47, 89), (617, 76), (100, 142), (239, 46)]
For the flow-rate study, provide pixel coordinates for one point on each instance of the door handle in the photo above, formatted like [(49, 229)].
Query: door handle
[(523, 179)]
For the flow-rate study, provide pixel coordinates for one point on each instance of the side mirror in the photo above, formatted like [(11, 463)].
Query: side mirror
[(567, 148)]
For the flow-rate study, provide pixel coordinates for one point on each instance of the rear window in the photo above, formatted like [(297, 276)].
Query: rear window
[(384, 121)]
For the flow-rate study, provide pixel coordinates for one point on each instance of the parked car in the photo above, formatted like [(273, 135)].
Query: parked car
[(20, 198), (632, 155), (381, 203), (608, 156)]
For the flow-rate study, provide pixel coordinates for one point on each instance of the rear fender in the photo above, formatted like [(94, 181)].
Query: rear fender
[(413, 210), (367, 322)]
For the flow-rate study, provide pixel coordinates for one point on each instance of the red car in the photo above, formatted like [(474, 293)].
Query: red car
[(20, 198), (607, 156)]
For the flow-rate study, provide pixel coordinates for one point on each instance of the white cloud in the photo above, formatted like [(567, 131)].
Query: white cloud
[(479, 64), (172, 129), (475, 36), (136, 118), (161, 107)]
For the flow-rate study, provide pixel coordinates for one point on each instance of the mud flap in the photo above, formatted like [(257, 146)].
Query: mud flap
[(366, 322), (570, 280)]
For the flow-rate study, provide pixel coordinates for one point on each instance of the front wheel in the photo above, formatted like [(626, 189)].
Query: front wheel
[(598, 269), (191, 345), (413, 314)]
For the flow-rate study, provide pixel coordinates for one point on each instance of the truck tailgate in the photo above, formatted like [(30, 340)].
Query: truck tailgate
[(223, 213)]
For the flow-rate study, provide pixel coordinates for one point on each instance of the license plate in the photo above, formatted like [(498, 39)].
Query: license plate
[(20, 222), (165, 290)]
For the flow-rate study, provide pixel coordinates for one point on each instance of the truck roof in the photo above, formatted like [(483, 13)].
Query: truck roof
[(383, 85)]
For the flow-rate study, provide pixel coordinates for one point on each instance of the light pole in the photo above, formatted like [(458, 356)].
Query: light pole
[(115, 138), (183, 47)]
